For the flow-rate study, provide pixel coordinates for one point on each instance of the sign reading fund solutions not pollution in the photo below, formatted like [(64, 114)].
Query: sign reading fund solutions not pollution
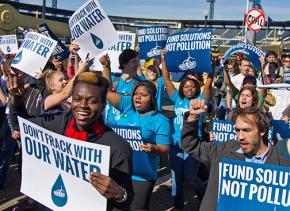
[(247, 186), (61, 51), (126, 40), (8, 44), (56, 169), (152, 40), (225, 131), (189, 51), (33, 53), (92, 29), (252, 52), (141, 164)]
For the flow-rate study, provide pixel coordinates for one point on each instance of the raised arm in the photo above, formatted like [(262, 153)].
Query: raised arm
[(208, 84), (231, 86), (106, 63), (113, 97), (56, 99), (200, 150), (168, 83)]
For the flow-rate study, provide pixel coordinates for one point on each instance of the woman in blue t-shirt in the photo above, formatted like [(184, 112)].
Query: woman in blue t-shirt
[(183, 166), (140, 113)]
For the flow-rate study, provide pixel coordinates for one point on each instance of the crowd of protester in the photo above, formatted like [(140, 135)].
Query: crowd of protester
[(87, 103)]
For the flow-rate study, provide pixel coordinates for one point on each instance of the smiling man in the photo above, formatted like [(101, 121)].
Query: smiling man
[(85, 123), (251, 128)]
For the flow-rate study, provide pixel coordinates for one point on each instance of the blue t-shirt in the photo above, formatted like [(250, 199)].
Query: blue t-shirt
[(111, 114), (155, 129), (180, 107), (160, 87)]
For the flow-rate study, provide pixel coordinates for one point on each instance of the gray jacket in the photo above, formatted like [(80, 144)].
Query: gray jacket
[(211, 154)]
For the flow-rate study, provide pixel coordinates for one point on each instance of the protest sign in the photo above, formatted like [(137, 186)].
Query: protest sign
[(152, 40), (281, 129), (126, 40), (34, 53), (255, 19), (8, 44), (55, 168), (189, 51), (282, 97), (141, 164), (248, 186), (225, 131), (286, 77), (61, 51), (92, 29), (252, 52)]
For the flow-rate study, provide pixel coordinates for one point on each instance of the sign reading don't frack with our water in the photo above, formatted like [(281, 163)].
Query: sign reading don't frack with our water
[(33, 53), (92, 29), (189, 51), (56, 169), (8, 44)]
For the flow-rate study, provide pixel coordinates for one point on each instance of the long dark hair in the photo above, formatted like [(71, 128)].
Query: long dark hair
[(254, 94), (152, 91)]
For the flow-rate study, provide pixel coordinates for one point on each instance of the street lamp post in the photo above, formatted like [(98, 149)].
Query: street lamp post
[(205, 18)]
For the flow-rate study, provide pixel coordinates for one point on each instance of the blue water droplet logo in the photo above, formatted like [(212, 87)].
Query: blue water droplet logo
[(8, 49), (17, 58), (58, 192), (97, 41)]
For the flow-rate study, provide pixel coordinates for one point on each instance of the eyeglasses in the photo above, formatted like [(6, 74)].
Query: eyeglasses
[(287, 61)]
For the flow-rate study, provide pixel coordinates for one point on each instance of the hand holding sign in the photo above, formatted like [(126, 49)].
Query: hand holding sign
[(106, 186), (149, 148), (163, 54)]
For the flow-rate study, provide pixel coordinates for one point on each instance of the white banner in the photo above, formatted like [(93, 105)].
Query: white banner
[(56, 169), (275, 86), (33, 53), (8, 44), (92, 29), (126, 40)]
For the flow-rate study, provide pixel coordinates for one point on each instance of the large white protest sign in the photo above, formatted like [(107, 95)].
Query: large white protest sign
[(56, 169), (282, 97), (126, 40), (33, 53), (246, 186), (8, 44), (92, 29)]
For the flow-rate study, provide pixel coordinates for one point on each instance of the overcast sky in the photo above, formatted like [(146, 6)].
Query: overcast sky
[(179, 9)]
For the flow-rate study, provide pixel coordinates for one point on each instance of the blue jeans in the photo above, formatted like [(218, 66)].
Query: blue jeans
[(184, 169), (7, 146)]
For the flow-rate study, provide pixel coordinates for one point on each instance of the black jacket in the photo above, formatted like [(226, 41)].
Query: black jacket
[(120, 153), (30, 104), (212, 154)]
